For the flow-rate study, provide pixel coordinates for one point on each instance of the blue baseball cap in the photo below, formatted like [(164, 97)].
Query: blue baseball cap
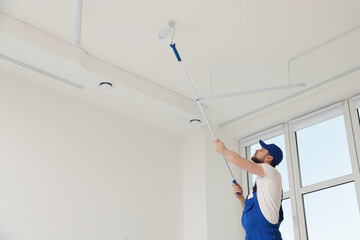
[(274, 151)]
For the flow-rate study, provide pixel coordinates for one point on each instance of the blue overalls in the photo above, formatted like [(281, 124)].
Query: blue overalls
[(256, 225)]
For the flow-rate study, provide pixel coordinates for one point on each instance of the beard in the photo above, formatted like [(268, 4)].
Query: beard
[(256, 160)]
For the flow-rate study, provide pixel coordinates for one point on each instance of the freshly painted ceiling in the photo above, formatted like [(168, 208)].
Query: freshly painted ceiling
[(226, 46)]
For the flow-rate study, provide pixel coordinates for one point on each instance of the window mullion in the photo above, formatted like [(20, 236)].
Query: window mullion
[(244, 151), (353, 132), (295, 170), (292, 191), (327, 184), (243, 181)]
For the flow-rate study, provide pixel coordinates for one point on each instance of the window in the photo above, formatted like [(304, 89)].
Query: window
[(286, 227), (282, 167), (332, 213), (324, 172), (323, 151), (356, 103)]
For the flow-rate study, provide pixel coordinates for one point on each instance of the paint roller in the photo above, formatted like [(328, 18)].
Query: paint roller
[(166, 29), (163, 33)]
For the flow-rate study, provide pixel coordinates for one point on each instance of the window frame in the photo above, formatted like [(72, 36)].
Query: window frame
[(349, 109), (245, 144)]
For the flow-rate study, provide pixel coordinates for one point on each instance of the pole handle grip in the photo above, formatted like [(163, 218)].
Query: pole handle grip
[(234, 181), (175, 51)]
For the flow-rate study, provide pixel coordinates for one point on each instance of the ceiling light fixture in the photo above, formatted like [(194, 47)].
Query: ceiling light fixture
[(195, 122), (105, 85)]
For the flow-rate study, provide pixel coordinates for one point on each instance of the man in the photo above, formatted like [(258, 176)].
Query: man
[(262, 213)]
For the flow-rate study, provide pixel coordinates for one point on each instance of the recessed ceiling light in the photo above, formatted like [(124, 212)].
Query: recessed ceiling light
[(106, 85), (195, 122)]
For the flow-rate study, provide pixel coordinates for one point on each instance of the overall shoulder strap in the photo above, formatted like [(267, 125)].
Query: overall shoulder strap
[(254, 191)]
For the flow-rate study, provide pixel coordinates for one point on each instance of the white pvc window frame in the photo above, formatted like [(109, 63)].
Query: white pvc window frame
[(278, 130), (253, 139), (347, 108), (354, 121), (245, 150), (317, 116), (355, 101)]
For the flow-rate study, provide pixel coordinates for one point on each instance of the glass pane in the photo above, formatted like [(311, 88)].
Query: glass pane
[(286, 227), (332, 213), (323, 151), (359, 113), (282, 167)]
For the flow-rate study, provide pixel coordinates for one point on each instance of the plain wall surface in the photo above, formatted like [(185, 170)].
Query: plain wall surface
[(194, 187), (224, 210), (72, 170), (211, 211)]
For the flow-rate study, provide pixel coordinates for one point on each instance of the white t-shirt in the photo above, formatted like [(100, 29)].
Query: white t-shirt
[(269, 190)]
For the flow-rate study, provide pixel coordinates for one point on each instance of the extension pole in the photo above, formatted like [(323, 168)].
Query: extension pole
[(201, 108)]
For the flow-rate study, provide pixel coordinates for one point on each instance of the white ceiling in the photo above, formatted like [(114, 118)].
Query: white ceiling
[(228, 45)]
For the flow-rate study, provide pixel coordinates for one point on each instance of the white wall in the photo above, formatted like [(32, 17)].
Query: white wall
[(211, 212), (71, 170), (223, 208), (194, 187)]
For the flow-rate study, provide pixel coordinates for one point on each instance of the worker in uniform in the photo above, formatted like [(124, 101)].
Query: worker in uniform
[(263, 212)]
